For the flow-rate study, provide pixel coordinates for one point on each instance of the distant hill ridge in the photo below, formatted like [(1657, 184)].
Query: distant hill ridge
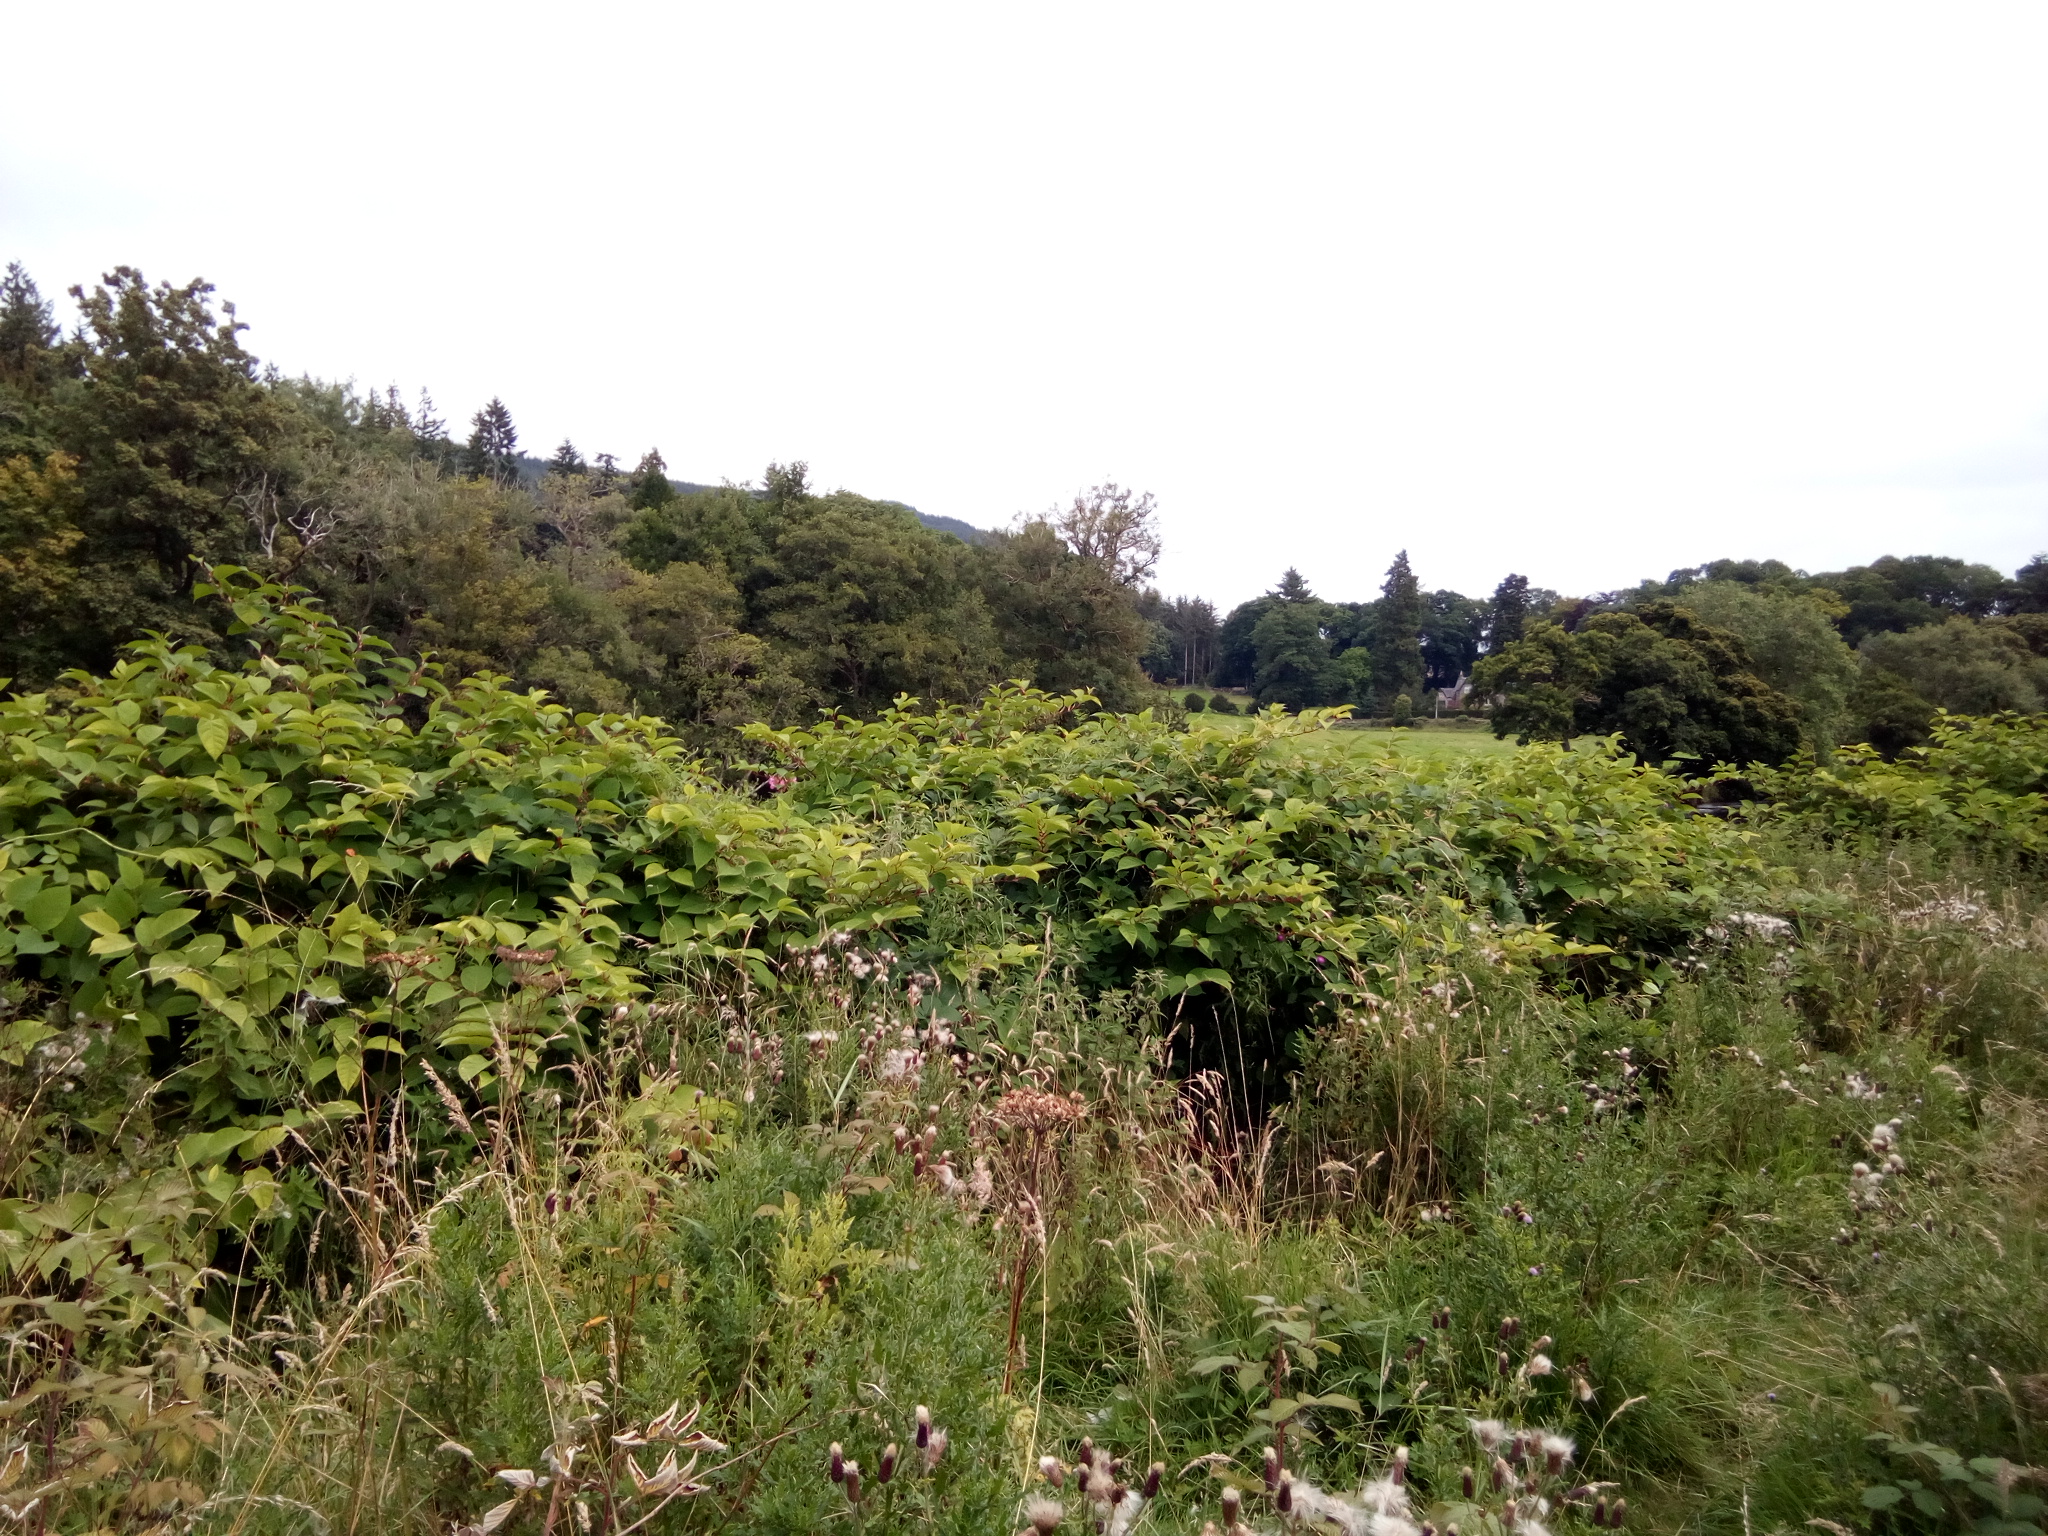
[(531, 469)]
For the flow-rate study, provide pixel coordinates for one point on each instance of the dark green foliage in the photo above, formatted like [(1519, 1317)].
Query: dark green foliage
[(1295, 668), (1220, 704), (167, 434), (650, 484), (1194, 703), (1396, 646), (493, 451), (1668, 685), (567, 461), (1453, 634), (1887, 713), (1508, 613), (1237, 658), (28, 327)]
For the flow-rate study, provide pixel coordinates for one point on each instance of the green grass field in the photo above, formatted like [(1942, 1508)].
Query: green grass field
[(1421, 744)]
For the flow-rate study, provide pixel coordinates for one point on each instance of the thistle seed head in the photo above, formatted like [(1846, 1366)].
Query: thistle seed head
[(1283, 1493), (924, 1426), (1152, 1475), (853, 1482), (835, 1466), (886, 1467), (1272, 1460), (1045, 1515), (1050, 1469)]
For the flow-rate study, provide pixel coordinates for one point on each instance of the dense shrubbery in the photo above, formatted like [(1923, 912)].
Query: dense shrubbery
[(399, 1051)]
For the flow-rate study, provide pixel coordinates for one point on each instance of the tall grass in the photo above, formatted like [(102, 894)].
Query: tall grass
[(855, 1208)]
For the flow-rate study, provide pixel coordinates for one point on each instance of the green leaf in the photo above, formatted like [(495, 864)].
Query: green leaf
[(1881, 1496)]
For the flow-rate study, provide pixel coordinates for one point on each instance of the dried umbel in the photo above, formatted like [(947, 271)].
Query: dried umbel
[(1034, 1109)]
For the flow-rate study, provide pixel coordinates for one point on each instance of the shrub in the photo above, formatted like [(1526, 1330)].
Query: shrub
[(1221, 704), (1193, 702)]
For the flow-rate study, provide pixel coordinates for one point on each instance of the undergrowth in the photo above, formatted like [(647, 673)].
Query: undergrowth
[(1628, 1169)]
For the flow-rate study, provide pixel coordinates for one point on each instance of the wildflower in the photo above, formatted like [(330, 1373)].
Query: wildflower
[(1465, 1479), (1044, 1515), (1582, 1389), (1503, 1474), (1510, 1326), (1540, 1365), (1398, 1472), (1272, 1468), (1050, 1469), (1384, 1496), (853, 1482), (835, 1466), (886, 1468), (1488, 1432), (1152, 1475), (934, 1449), (1557, 1450)]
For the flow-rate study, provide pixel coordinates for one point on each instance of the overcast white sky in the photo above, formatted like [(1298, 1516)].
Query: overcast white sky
[(1587, 292)]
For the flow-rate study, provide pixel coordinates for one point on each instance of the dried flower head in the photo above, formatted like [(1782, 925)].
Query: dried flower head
[(1044, 1515), (1557, 1450), (835, 1463), (1050, 1469)]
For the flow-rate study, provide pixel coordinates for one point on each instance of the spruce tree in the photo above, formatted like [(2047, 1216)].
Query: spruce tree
[(1397, 635), (1293, 589), (567, 461), (28, 327), (493, 451)]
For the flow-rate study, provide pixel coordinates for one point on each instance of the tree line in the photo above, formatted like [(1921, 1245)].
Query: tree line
[(149, 443), (1741, 661)]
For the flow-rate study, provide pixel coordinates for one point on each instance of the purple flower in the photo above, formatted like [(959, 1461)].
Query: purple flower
[(1322, 960)]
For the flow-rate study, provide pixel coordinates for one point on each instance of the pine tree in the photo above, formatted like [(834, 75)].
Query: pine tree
[(567, 461), (1397, 635), (493, 451), (28, 327), (1510, 615), (607, 479)]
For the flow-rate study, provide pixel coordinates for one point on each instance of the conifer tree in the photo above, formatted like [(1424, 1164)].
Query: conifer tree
[(567, 461), (650, 482), (1510, 615), (1293, 589), (1397, 635), (493, 451), (27, 324)]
